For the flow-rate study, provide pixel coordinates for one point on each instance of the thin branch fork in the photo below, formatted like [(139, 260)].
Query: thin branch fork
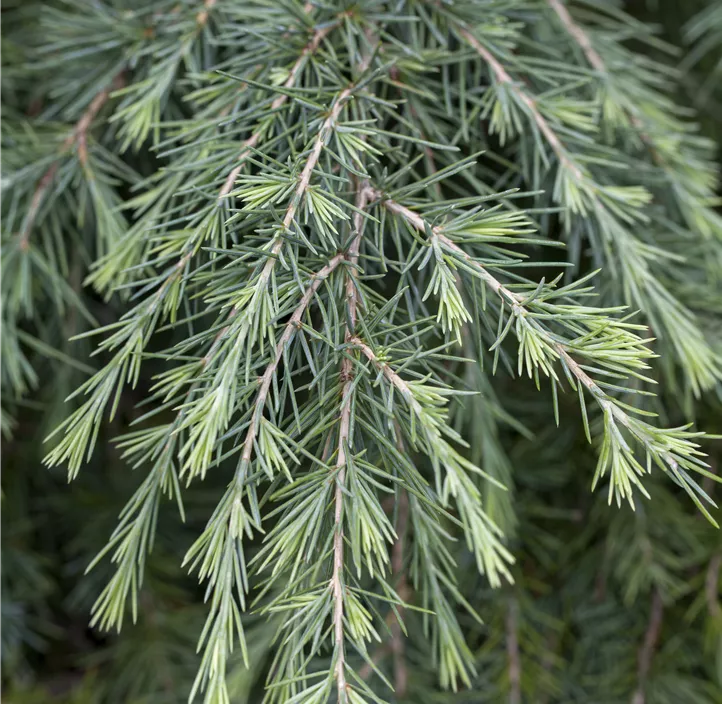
[(310, 48), (305, 180), (311, 162), (201, 20), (394, 378), (296, 200), (303, 184), (291, 327)]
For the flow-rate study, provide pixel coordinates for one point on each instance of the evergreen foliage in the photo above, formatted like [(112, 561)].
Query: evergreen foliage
[(405, 317)]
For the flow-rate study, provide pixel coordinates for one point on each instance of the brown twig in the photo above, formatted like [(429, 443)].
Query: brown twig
[(598, 64), (579, 35), (512, 651), (344, 441), (251, 142), (649, 645), (392, 377), (401, 676), (202, 16), (291, 326), (305, 180), (503, 77), (78, 136)]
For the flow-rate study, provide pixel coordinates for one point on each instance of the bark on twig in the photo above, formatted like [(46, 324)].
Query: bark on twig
[(344, 442), (78, 137), (512, 651), (646, 652)]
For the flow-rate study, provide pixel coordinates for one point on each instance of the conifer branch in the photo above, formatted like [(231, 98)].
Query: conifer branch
[(224, 533), (289, 331), (614, 210), (304, 180), (344, 442), (662, 445), (503, 77), (483, 536), (310, 48), (580, 36), (77, 137), (394, 379), (344, 422), (691, 179), (595, 60)]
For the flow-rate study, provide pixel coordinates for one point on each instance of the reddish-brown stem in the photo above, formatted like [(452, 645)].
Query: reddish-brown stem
[(579, 35), (35, 203), (77, 137), (280, 100), (344, 440), (401, 676), (597, 63), (646, 652), (502, 76), (291, 326), (512, 651)]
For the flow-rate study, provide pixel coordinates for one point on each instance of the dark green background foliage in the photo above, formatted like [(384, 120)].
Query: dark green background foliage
[(344, 321)]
